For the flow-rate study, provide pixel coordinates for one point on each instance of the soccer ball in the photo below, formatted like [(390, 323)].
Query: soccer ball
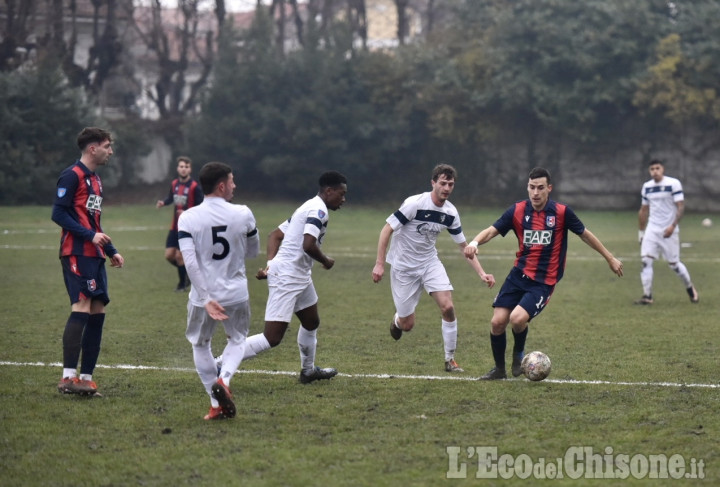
[(707, 222), (536, 366)]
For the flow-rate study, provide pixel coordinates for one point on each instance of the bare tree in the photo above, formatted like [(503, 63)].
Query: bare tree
[(15, 32), (183, 46), (357, 17), (403, 25)]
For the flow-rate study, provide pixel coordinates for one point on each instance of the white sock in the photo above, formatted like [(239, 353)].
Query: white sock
[(396, 322), (232, 357), (206, 369), (307, 343), (646, 275), (682, 273), (254, 345), (69, 373), (85, 376), (449, 332)]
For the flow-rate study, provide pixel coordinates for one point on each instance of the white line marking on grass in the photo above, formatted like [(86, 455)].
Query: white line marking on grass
[(375, 376), (369, 255)]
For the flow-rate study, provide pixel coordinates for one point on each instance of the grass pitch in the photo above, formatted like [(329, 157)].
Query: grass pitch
[(627, 380)]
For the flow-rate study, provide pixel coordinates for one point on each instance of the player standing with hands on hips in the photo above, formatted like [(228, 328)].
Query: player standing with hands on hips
[(83, 250), (414, 229), (215, 239), (541, 226), (662, 207)]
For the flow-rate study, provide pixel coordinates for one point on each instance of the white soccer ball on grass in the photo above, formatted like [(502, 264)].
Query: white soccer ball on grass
[(536, 366), (707, 222)]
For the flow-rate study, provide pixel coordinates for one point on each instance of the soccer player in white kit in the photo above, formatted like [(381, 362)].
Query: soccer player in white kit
[(291, 250), (414, 260), (215, 239), (660, 212)]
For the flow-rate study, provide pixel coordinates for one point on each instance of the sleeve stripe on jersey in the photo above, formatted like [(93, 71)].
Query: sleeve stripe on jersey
[(183, 234), (314, 221), (455, 231), (401, 218), (252, 234)]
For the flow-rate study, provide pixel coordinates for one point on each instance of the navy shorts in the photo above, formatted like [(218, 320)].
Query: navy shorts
[(85, 278), (520, 290), (172, 240)]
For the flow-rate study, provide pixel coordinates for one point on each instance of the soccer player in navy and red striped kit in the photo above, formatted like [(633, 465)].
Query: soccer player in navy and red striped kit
[(83, 250), (185, 193), (541, 226)]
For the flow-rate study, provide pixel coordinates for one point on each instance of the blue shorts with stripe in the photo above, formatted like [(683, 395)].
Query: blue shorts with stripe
[(85, 278), (171, 242), (520, 290)]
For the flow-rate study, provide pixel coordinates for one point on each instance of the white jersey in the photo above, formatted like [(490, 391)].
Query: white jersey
[(291, 261), (215, 239), (416, 226), (661, 197)]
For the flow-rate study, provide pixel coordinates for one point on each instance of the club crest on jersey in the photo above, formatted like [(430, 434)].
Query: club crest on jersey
[(61, 192), (321, 214), (91, 285), (550, 221)]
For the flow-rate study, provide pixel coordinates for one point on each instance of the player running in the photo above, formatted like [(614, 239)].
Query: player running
[(185, 193), (541, 226), (291, 250), (663, 205), (414, 229)]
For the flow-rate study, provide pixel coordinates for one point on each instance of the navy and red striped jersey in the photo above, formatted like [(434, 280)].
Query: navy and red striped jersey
[(183, 195), (542, 238), (77, 209)]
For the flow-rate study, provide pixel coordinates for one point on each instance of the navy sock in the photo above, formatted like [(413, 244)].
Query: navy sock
[(91, 343), (182, 274), (498, 344), (519, 341), (72, 338)]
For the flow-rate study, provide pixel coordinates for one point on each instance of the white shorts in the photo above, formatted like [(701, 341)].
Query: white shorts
[(201, 327), (286, 298), (407, 286), (655, 245)]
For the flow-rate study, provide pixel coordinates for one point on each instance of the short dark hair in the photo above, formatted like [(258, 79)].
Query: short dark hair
[(656, 161), (184, 159), (539, 172), (92, 135), (446, 169), (212, 174), (331, 179)]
